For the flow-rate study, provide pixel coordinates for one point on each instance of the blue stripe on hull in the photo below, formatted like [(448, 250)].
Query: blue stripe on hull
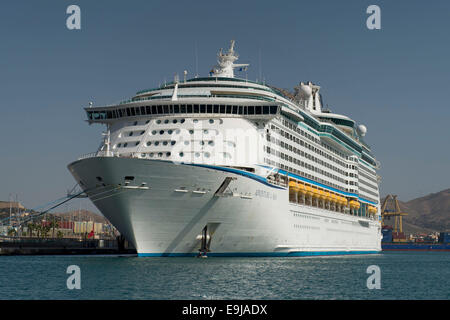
[(259, 254)]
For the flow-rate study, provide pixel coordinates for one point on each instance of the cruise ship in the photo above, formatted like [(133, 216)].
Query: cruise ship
[(225, 166)]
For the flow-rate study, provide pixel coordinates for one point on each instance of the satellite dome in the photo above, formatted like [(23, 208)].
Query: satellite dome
[(305, 90), (362, 129)]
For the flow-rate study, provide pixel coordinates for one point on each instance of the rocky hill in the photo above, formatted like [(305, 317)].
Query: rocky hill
[(426, 214)]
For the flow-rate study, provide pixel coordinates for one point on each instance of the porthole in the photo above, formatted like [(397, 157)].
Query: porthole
[(211, 121), (211, 143), (160, 154), (206, 154), (191, 131), (195, 120), (181, 154), (125, 145), (156, 143), (147, 122), (177, 131), (158, 121), (175, 121), (165, 143), (130, 134), (205, 131), (166, 121), (182, 121), (197, 155), (202, 143), (168, 154), (186, 143), (137, 143), (142, 132), (169, 131), (151, 154), (119, 145), (149, 143), (161, 132), (135, 123), (153, 132), (173, 142)]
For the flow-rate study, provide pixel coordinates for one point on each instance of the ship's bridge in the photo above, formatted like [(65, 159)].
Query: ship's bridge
[(343, 122)]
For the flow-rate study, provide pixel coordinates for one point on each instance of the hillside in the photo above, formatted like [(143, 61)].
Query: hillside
[(426, 214)]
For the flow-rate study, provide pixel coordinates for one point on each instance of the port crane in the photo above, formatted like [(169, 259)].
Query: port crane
[(394, 212)]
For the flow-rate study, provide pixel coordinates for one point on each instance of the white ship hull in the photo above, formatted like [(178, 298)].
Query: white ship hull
[(164, 209)]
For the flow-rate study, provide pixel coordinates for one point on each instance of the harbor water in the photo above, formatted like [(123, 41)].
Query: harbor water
[(404, 275)]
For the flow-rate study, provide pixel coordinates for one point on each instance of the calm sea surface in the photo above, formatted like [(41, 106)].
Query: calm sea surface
[(404, 275)]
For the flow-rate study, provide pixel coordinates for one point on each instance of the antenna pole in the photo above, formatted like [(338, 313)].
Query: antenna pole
[(260, 77), (196, 60)]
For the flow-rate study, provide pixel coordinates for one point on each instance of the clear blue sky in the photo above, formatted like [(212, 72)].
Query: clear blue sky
[(394, 80)]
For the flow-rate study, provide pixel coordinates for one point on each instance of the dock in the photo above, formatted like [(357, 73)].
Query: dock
[(65, 246)]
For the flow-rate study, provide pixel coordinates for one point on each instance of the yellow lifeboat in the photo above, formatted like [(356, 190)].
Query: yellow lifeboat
[(372, 209), (293, 185), (333, 198), (354, 204), (309, 191), (316, 193), (322, 195), (301, 188)]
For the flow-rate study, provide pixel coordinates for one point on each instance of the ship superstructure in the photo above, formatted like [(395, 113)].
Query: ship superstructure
[(233, 167)]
